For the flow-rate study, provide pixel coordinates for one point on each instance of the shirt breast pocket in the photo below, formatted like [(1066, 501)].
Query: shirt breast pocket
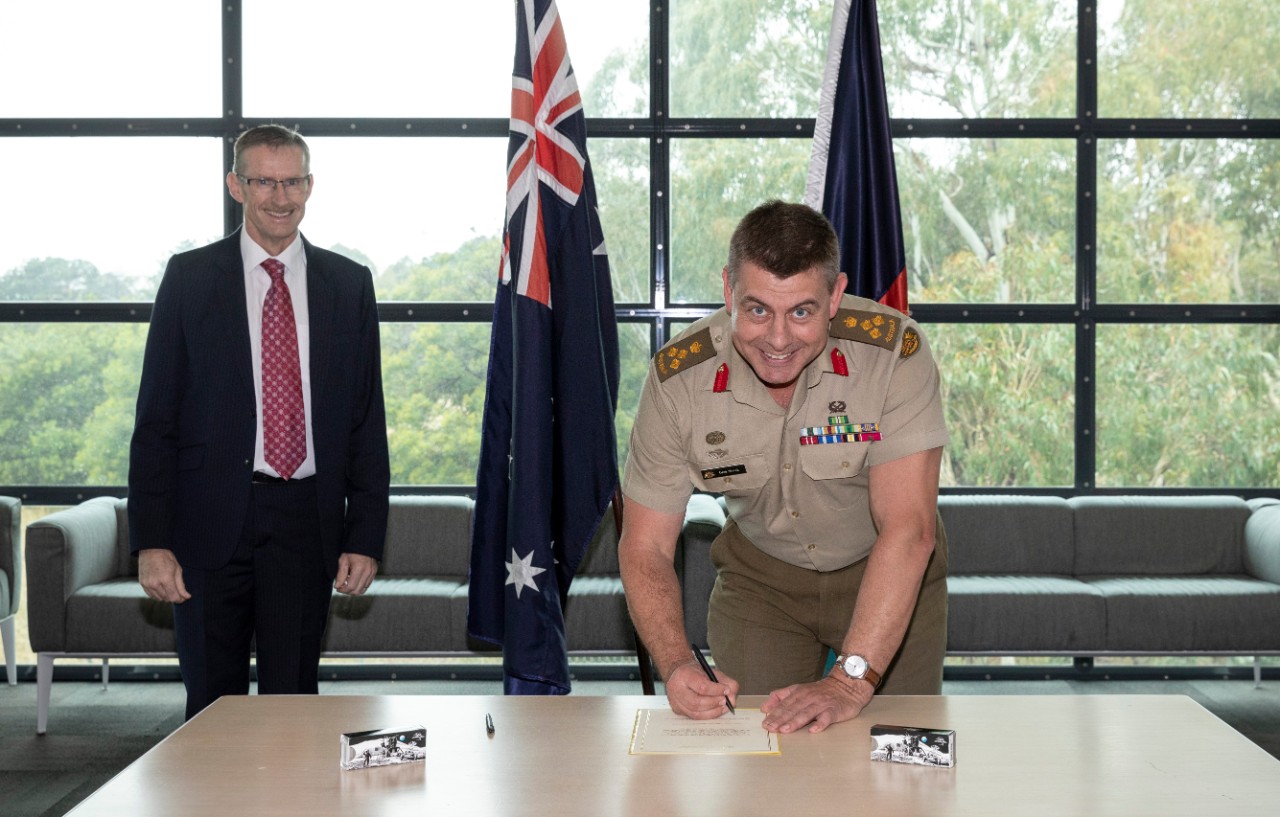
[(732, 476), (832, 468)]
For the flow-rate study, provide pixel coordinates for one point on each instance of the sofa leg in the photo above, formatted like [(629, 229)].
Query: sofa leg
[(106, 671), (9, 634), (44, 686), (1257, 672)]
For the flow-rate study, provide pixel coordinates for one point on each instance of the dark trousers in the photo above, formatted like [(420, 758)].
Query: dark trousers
[(272, 595)]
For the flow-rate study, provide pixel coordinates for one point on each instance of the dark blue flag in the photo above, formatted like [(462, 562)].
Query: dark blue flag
[(548, 455), (852, 179)]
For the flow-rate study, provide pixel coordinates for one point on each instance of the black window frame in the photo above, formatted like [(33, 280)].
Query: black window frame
[(1085, 129)]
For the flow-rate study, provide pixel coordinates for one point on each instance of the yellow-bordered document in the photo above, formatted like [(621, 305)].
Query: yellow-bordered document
[(662, 732)]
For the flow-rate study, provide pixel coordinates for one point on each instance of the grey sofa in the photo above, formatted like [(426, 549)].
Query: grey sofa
[(10, 581), (1028, 575), (85, 601), (1125, 575)]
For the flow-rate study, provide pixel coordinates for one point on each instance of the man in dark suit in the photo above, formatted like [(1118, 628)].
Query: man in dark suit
[(258, 471)]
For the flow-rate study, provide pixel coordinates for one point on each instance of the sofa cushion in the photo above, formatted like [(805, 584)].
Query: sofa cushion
[(1226, 614), (1023, 614), (1008, 534), (1159, 536), (428, 536), (595, 617), (117, 616), (397, 614)]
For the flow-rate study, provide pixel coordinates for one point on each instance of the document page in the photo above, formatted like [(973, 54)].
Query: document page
[(662, 732)]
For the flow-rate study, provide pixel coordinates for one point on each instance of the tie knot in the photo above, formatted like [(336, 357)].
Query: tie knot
[(274, 268)]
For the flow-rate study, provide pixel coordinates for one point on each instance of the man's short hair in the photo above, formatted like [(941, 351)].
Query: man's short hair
[(274, 136), (785, 239)]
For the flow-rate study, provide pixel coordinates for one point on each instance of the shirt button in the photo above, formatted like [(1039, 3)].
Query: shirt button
[(728, 480), (813, 547), (786, 466), (844, 464), (795, 514)]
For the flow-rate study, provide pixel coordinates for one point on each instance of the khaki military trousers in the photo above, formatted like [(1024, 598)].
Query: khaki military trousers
[(771, 624)]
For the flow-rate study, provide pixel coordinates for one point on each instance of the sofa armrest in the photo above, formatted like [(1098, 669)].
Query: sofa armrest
[(67, 550), (703, 521), (1262, 543), (10, 555)]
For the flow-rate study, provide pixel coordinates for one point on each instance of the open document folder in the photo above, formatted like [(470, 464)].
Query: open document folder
[(662, 732)]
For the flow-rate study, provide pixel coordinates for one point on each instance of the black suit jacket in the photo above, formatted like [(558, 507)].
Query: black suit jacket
[(191, 459)]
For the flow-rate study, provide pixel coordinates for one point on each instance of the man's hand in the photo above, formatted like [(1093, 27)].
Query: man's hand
[(355, 573), (161, 576), (821, 704), (692, 694)]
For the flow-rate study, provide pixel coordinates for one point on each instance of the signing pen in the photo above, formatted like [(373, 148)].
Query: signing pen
[(702, 662)]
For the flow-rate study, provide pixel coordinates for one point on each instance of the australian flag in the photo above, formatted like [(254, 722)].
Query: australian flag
[(548, 455), (852, 179)]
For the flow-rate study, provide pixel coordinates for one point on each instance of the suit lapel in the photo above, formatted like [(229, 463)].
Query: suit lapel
[(320, 296), (230, 294)]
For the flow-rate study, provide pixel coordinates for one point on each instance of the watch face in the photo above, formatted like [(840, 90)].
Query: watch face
[(855, 666)]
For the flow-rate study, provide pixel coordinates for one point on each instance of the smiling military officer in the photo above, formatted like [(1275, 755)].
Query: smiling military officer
[(818, 417)]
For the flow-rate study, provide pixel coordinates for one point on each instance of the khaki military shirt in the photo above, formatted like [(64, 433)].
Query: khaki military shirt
[(706, 422)]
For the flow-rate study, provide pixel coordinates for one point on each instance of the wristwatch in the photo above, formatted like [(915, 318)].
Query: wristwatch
[(855, 666)]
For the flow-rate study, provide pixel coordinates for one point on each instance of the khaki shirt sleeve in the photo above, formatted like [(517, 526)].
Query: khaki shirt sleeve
[(657, 471), (913, 418)]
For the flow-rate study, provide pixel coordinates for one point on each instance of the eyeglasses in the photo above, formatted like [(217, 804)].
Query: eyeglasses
[(269, 185)]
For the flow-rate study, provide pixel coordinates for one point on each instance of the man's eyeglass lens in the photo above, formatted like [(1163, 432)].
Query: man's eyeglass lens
[(299, 183)]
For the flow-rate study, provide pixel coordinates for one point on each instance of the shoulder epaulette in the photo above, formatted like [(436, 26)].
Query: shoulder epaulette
[(876, 328), (683, 354)]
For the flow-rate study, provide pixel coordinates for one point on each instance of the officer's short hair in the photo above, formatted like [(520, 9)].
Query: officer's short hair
[(785, 239), (274, 136)]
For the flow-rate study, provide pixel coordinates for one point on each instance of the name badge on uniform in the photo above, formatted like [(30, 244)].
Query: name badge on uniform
[(726, 471)]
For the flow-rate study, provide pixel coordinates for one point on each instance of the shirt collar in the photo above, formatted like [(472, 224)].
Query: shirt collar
[(294, 256), (746, 388)]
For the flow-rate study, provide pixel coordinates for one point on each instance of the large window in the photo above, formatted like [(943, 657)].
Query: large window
[(1090, 191)]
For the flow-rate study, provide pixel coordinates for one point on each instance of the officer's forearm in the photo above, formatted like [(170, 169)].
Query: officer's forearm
[(653, 599), (904, 501), (887, 599)]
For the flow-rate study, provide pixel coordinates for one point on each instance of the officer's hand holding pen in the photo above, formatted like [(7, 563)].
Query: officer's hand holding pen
[(702, 662)]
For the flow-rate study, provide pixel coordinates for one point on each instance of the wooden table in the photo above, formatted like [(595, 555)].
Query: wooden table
[(1088, 755)]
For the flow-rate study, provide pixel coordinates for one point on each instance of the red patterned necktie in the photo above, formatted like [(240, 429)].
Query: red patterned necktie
[(284, 421)]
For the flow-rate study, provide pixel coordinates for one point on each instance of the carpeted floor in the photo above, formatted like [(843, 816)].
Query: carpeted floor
[(94, 733)]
